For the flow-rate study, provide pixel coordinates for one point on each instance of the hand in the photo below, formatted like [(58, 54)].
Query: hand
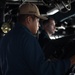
[(72, 59)]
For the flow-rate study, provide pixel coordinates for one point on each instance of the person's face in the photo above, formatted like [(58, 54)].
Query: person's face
[(35, 25), (51, 27)]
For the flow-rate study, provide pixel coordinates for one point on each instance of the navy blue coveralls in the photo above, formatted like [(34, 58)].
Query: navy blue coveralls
[(21, 54)]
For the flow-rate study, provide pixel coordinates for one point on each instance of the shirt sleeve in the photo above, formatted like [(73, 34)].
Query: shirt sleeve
[(35, 58)]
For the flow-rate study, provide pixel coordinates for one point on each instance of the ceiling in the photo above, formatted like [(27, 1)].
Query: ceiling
[(45, 6)]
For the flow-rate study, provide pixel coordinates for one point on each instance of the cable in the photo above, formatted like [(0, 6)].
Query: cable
[(48, 5)]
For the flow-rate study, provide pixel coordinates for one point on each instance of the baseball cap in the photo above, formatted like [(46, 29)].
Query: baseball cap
[(30, 8)]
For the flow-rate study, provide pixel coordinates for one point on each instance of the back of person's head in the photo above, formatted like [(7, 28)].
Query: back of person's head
[(26, 9)]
